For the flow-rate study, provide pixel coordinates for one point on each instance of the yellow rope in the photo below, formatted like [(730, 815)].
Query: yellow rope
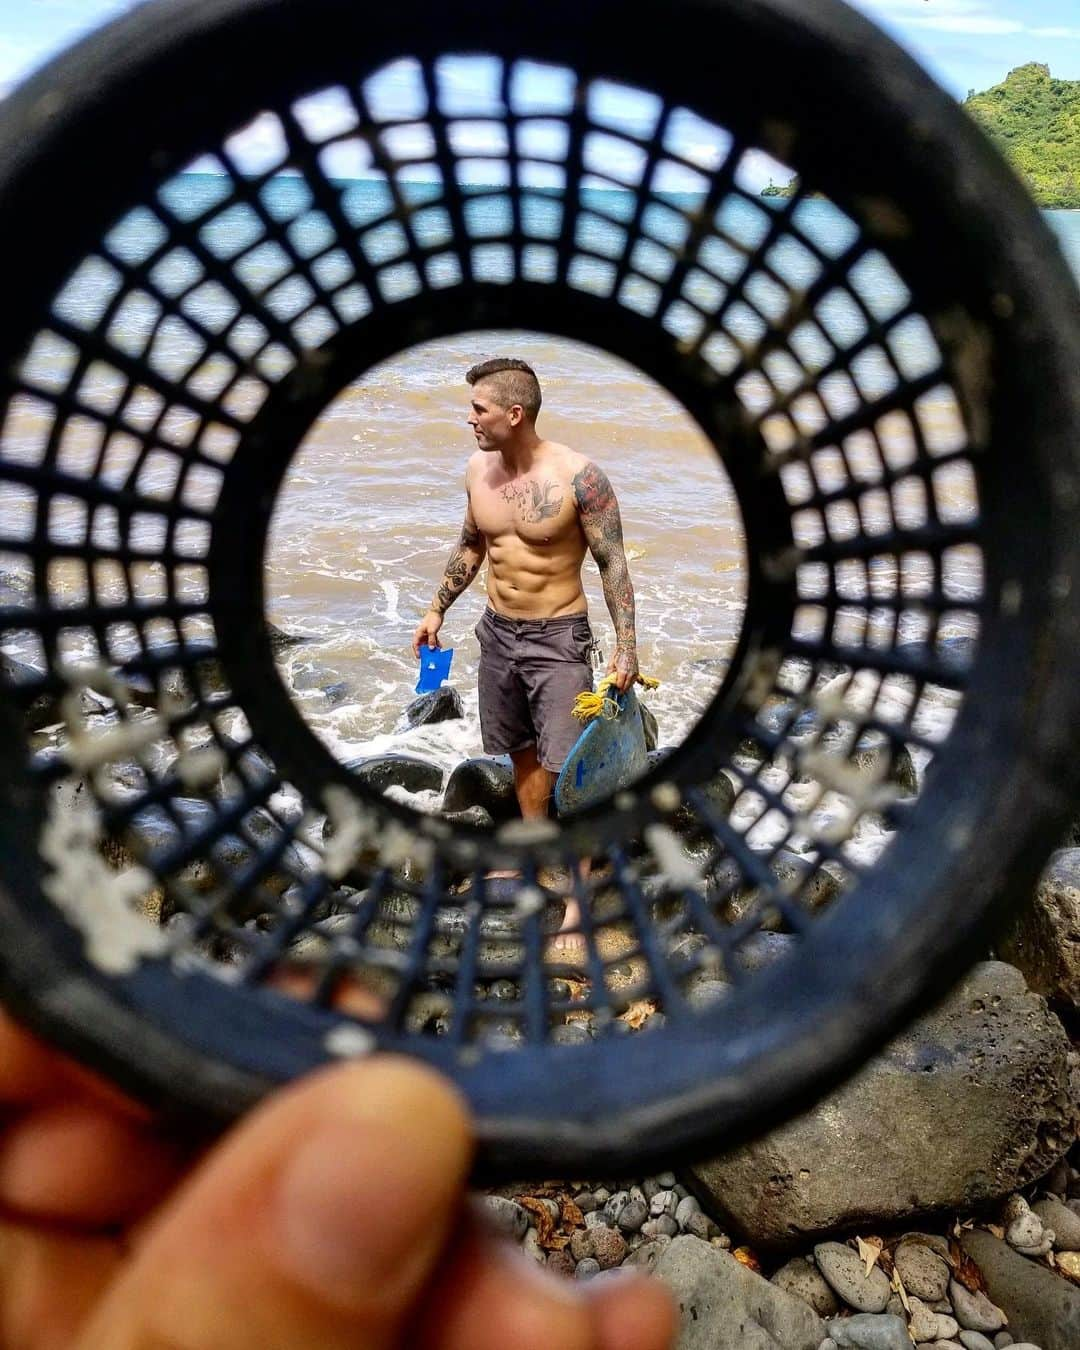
[(599, 702)]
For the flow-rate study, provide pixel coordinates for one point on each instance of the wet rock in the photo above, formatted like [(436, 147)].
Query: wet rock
[(803, 1279), (764, 949), (1045, 941), (407, 772), (719, 795), (974, 1311), (337, 693), (441, 705), (647, 1255), (615, 1206), (280, 640), (722, 1304), (975, 1340), (1039, 1303), (604, 1245), (891, 1143), (648, 726), (814, 884), (663, 1202), (699, 1225), (686, 1206), (41, 710), (483, 782), (924, 1274), (868, 1331), (846, 1273), (562, 1263), (633, 1216), (1064, 1222), (474, 818), (510, 1218)]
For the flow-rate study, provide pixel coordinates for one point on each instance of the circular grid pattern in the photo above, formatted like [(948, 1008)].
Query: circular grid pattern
[(235, 300)]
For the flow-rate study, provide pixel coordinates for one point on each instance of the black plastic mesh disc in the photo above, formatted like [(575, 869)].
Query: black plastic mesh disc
[(886, 362)]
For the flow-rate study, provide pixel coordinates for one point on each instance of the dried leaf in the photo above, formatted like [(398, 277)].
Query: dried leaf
[(545, 1224), (901, 1292), (869, 1252), (638, 1013), (1068, 1264), (572, 1217), (746, 1257), (965, 1271), (997, 1231)]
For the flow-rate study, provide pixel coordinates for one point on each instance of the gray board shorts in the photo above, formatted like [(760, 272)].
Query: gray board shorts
[(531, 671)]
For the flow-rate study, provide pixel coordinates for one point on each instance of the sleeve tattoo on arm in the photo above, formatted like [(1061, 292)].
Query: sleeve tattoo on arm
[(600, 519), (462, 565)]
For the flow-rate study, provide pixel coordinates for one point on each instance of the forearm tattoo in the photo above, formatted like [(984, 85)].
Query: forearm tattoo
[(599, 513), (461, 567)]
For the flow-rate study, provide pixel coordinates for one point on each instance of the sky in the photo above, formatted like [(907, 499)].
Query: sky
[(966, 44)]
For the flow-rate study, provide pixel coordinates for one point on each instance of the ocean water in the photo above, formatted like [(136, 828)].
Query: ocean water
[(374, 498)]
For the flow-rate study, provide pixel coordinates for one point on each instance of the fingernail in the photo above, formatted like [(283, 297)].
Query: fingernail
[(362, 1202)]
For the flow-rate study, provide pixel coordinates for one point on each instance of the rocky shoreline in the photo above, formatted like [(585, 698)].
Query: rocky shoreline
[(1009, 1277), (934, 1199)]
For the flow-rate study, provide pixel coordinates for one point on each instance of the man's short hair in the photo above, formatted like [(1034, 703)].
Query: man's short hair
[(512, 381)]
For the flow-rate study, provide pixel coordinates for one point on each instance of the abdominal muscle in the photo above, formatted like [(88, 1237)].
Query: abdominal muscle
[(525, 583)]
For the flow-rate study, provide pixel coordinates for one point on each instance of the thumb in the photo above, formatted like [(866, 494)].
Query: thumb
[(316, 1222)]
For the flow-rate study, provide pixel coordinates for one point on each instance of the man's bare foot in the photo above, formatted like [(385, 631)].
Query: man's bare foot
[(569, 943)]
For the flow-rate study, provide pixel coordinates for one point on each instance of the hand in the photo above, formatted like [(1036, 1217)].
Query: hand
[(324, 1219), (427, 632), (623, 665)]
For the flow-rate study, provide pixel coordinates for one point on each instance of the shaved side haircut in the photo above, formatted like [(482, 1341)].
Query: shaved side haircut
[(512, 381)]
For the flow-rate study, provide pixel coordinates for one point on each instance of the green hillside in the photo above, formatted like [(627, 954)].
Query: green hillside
[(1035, 119)]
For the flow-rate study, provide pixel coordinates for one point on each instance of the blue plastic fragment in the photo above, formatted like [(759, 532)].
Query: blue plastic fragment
[(434, 668)]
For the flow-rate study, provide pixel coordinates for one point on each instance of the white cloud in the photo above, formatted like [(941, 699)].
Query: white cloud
[(975, 17), (968, 23)]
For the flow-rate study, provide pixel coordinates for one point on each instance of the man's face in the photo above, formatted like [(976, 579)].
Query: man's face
[(492, 424)]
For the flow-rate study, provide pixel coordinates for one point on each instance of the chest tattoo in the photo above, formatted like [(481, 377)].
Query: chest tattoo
[(532, 502)]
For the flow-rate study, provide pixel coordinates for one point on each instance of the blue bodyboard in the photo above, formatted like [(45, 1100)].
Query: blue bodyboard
[(608, 754), (434, 668)]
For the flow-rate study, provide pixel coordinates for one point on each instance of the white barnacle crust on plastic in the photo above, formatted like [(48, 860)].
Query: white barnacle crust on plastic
[(529, 900), (671, 858), (527, 832), (398, 846), (86, 752), (90, 895), (352, 828), (865, 786), (666, 797), (349, 1041)]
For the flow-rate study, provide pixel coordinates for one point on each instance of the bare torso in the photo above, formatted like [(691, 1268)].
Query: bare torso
[(532, 530)]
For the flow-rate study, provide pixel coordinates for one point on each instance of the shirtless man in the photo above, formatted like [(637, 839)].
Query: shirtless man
[(533, 507)]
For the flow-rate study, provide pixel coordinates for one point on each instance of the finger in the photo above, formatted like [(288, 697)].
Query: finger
[(77, 1162), (48, 1284), (488, 1296), (632, 1312), (30, 1072), (316, 1222)]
